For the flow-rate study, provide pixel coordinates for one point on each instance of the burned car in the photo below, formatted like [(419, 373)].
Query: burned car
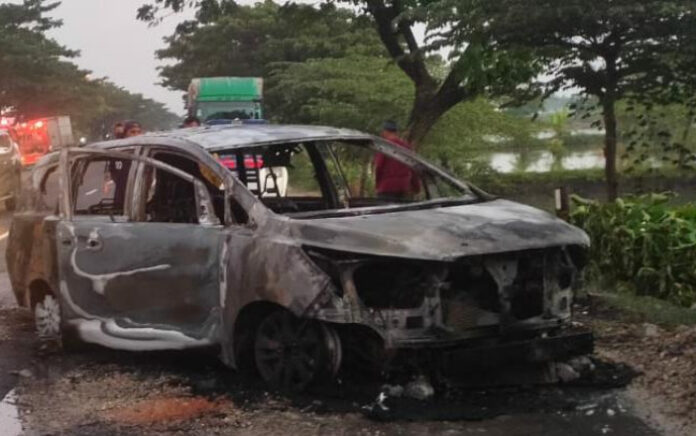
[(274, 243)]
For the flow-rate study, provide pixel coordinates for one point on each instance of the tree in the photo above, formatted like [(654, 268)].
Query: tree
[(227, 39), (357, 92), (105, 104), (35, 78), (475, 68), (471, 129), (658, 134), (608, 49)]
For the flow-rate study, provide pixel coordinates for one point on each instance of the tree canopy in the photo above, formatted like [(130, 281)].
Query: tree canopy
[(227, 39), (38, 78), (608, 49), (35, 77), (473, 69), (359, 92), (106, 104)]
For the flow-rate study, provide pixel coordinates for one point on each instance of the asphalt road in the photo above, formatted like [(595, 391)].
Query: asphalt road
[(599, 412), (16, 339)]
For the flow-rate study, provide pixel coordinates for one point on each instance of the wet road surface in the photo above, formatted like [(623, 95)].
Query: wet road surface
[(551, 411), (15, 325), (15, 353)]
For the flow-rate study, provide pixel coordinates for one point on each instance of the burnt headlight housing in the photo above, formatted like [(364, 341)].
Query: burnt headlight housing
[(326, 260)]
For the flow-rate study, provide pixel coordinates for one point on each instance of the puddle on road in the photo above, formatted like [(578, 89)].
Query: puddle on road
[(9, 415)]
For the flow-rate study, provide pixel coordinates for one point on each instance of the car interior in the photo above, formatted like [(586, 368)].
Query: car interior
[(304, 178), (172, 199)]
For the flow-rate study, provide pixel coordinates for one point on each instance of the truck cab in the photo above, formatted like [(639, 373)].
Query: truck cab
[(226, 98)]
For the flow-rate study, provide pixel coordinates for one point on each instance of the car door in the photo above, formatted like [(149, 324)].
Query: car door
[(131, 280)]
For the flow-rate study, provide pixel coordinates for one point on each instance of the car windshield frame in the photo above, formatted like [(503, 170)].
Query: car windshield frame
[(468, 192)]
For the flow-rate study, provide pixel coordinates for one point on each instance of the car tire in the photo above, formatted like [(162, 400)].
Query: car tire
[(47, 318), (291, 353), (49, 324)]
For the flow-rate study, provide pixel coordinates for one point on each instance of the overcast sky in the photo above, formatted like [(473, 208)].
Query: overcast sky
[(114, 44)]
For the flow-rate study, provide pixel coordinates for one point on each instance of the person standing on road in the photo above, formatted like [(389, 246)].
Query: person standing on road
[(394, 180), (119, 130), (191, 121), (132, 128)]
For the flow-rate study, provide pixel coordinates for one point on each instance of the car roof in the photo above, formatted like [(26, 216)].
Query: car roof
[(224, 137)]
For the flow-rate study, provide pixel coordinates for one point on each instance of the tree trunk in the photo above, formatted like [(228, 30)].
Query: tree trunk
[(610, 144), (418, 128), (684, 152), (425, 113)]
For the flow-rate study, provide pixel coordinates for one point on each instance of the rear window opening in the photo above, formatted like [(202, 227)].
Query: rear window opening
[(304, 179)]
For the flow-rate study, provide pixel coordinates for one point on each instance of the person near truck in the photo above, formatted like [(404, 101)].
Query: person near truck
[(118, 130), (393, 179), (132, 128), (191, 121)]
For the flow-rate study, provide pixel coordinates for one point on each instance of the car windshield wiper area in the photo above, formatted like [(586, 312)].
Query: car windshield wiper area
[(374, 210)]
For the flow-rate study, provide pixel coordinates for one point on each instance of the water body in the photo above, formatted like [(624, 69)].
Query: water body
[(541, 161)]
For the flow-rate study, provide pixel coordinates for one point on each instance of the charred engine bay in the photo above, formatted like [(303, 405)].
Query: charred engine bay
[(481, 303)]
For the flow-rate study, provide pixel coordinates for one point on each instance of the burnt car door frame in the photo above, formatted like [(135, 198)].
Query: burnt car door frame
[(120, 317)]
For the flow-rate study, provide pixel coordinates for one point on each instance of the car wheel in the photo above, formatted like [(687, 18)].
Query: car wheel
[(49, 328), (291, 353), (47, 318)]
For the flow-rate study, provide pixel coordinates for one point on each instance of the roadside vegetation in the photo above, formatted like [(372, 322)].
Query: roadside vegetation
[(642, 245)]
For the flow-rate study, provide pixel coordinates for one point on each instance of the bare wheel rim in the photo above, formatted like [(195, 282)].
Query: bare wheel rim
[(290, 352), (47, 318)]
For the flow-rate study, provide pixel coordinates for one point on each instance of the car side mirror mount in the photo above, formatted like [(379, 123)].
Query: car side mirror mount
[(204, 206)]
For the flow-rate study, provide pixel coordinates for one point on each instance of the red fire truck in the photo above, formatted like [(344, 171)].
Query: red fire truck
[(38, 137)]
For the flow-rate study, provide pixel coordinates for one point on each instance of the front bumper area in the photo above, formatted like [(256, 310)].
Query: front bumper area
[(467, 356), (560, 347)]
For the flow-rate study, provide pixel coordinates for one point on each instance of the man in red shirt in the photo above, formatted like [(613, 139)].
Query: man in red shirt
[(394, 180)]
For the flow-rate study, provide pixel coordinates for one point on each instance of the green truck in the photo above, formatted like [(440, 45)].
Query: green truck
[(215, 99)]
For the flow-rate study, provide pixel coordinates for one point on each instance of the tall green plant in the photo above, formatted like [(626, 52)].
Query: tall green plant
[(644, 244)]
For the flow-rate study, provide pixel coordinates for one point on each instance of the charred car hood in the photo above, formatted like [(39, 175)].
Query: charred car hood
[(443, 233)]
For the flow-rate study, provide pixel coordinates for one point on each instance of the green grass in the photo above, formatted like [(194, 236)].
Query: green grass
[(649, 309)]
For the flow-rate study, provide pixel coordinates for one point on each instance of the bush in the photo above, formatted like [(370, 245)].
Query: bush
[(642, 244)]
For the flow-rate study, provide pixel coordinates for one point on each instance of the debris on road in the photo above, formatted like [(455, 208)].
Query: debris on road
[(165, 409), (419, 389), (666, 359), (651, 330), (566, 373), (395, 391)]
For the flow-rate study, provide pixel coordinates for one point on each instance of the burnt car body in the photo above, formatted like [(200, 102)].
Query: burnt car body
[(10, 170), (176, 240)]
